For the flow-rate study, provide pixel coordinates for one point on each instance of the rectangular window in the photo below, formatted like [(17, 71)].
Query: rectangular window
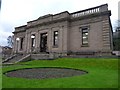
[(33, 40), (55, 41), (21, 44), (85, 36)]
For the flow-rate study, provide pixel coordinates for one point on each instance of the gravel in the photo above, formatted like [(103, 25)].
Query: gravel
[(42, 73)]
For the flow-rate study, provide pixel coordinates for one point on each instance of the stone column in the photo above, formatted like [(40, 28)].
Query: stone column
[(28, 43), (65, 37), (25, 43), (37, 41), (49, 42)]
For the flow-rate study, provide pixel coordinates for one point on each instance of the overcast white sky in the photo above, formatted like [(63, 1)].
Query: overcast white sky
[(18, 12)]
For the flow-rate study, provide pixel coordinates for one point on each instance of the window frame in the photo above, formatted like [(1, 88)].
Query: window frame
[(33, 41), (55, 43), (84, 30)]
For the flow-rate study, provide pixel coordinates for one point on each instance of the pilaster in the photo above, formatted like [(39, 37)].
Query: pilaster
[(106, 35)]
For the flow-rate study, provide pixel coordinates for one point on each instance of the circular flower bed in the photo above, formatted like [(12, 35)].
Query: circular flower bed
[(42, 73)]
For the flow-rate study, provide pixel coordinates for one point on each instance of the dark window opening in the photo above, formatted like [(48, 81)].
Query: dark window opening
[(21, 44)]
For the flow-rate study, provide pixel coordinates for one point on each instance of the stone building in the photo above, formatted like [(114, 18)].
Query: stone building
[(86, 32)]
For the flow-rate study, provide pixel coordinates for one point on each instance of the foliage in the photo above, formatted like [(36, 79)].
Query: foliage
[(10, 41), (116, 44), (102, 73), (116, 39)]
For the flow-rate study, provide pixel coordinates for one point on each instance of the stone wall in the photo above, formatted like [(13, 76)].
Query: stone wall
[(70, 36)]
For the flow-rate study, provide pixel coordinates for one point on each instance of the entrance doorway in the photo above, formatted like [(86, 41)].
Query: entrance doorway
[(43, 43)]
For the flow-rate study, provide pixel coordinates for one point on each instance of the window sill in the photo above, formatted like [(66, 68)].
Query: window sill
[(85, 45), (55, 46)]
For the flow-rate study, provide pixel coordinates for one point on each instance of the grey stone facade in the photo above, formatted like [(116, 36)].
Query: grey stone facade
[(83, 32)]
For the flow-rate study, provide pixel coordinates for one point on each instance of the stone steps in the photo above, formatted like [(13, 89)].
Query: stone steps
[(22, 58), (40, 56), (14, 59)]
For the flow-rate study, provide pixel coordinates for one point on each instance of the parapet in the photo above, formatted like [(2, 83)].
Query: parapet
[(49, 18)]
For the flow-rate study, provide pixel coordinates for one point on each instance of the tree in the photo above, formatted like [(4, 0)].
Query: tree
[(116, 37), (10, 41), (0, 4)]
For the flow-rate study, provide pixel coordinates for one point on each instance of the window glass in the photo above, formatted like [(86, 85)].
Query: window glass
[(84, 36), (55, 38), (33, 40)]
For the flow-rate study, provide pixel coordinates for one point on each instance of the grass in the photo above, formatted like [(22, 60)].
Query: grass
[(0, 72), (102, 73)]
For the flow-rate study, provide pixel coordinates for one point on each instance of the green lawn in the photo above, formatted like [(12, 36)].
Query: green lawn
[(102, 73), (0, 72)]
